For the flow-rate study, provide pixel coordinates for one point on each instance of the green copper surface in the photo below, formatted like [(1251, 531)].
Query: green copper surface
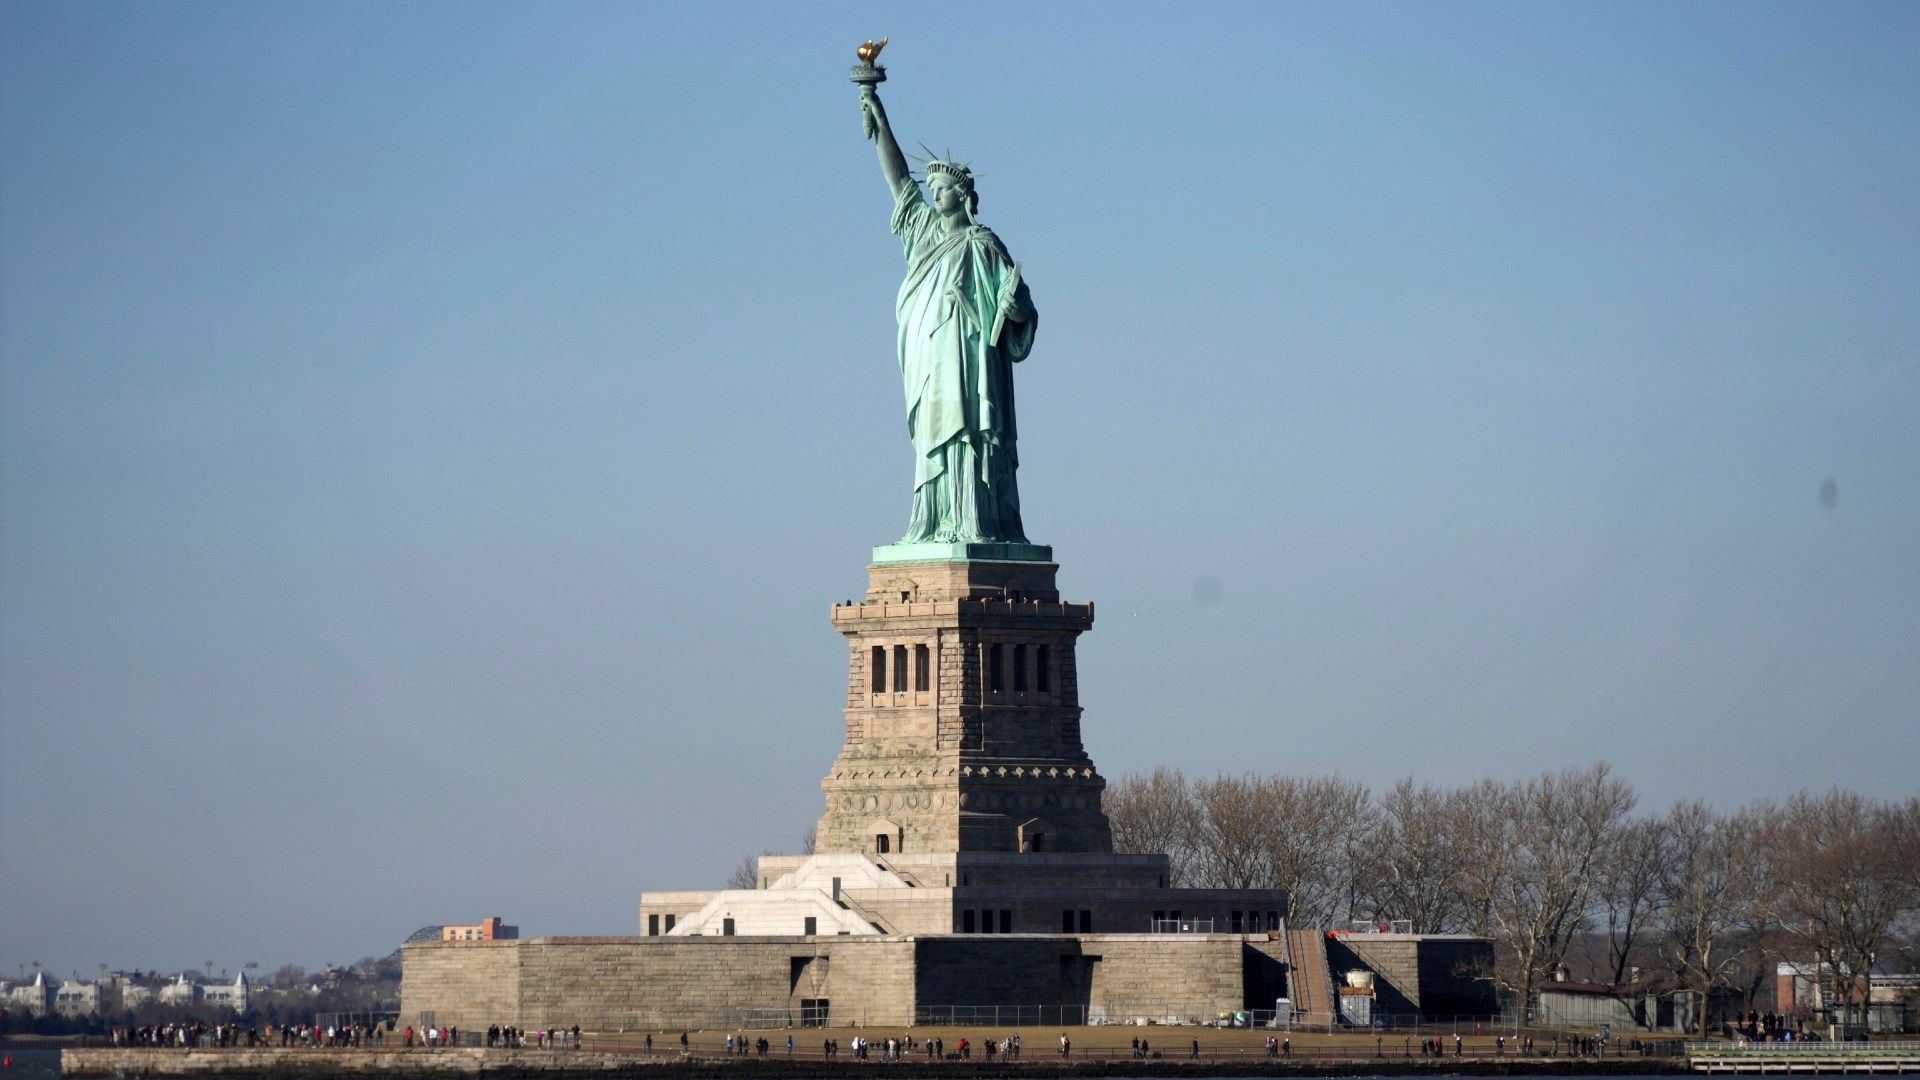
[(933, 551), (965, 318)]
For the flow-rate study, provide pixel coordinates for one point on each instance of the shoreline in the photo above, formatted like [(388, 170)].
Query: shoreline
[(301, 1062)]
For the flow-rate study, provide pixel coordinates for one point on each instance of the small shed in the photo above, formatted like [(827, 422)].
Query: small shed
[(1647, 1005)]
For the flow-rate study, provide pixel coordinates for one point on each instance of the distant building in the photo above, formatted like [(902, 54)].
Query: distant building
[(235, 995), (34, 998), (487, 929), (181, 991), (77, 999), (50, 997), (1833, 995), (119, 992), (1646, 1005)]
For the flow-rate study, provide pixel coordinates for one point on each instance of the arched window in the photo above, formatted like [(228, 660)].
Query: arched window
[(882, 843), (899, 669), (922, 668), (879, 668)]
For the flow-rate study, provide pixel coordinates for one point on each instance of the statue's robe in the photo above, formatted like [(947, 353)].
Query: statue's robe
[(958, 375)]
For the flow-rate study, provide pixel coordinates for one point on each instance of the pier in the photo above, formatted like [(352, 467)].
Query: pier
[(1805, 1057)]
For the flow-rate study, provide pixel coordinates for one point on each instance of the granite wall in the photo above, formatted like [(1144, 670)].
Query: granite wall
[(1430, 974), (633, 983), (659, 983)]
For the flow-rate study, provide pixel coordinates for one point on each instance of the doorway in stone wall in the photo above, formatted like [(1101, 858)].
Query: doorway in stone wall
[(807, 989)]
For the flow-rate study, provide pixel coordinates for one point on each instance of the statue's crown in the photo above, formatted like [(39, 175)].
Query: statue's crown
[(959, 171)]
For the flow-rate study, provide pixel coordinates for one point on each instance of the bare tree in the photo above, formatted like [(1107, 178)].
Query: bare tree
[(1630, 897), (1711, 882), (1308, 836), (1563, 827), (810, 839), (1155, 814), (287, 976), (1413, 873), (1230, 848), (1844, 875), (1482, 820), (1317, 832), (745, 874)]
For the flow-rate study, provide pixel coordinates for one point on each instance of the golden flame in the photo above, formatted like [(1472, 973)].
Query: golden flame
[(870, 50)]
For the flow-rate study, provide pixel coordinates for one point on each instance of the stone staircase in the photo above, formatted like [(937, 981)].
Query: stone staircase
[(889, 867), (873, 918), (1309, 983)]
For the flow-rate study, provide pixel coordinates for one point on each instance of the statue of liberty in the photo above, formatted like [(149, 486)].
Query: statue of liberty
[(965, 319)]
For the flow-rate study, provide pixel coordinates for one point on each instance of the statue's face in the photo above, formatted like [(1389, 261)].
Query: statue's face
[(948, 198)]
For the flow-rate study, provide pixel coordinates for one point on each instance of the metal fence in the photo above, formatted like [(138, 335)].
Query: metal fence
[(1156, 1043), (1180, 926), (999, 1015), (1136, 1014), (1155, 1014), (802, 1016), (1509, 1025), (1148, 1015), (361, 1018)]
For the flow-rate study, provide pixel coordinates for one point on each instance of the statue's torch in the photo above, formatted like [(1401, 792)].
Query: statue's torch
[(867, 75)]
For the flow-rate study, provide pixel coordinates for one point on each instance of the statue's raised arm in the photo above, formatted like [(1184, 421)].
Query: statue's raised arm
[(873, 117)]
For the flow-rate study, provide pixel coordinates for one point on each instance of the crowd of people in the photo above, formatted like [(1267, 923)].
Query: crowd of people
[(1753, 1026), (1768, 1027), (501, 1037), (540, 1038), (195, 1034), (935, 1049), (199, 1035), (864, 1049)]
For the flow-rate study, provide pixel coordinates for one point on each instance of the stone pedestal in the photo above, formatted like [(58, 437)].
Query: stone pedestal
[(963, 715)]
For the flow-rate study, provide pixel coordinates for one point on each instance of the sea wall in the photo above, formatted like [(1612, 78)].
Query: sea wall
[(1118, 976), (659, 983), (653, 983), (300, 1064)]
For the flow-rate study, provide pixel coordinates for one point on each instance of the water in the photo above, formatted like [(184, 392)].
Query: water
[(32, 1063)]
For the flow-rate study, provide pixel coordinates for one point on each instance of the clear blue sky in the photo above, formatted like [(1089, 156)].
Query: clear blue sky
[(431, 436)]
